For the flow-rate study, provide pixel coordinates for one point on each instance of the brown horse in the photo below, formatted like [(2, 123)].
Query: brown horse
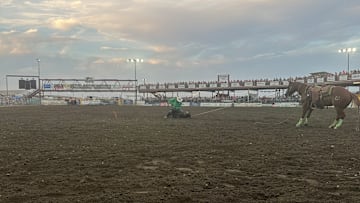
[(319, 97)]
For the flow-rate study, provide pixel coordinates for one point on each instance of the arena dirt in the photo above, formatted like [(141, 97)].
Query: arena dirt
[(133, 154)]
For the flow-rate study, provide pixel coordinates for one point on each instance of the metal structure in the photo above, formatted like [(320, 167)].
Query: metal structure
[(17, 76), (341, 80), (347, 51), (87, 85), (38, 62), (135, 61)]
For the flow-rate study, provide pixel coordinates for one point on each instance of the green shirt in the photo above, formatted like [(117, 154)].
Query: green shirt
[(174, 103)]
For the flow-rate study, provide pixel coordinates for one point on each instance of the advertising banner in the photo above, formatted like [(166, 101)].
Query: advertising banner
[(248, 84), (213, 84), (202, 85), (330, 78), (343, 77), (181, 86), (320, 80), (310, 80), (355, 76), (274, 83), (224, 84)]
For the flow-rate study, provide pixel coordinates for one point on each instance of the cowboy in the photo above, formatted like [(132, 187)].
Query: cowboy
[(176, 109)]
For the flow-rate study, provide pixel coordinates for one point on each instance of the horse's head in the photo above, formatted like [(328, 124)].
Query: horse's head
[(291, 89)]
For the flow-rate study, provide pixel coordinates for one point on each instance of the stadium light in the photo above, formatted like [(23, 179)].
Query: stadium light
[(135, 61), (347, 51)]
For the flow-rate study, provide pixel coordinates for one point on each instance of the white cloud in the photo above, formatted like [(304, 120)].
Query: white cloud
[(8, 32), (29, 31), (184, 34), (64, 24), (105, 48), (161, 48), (5, 3), (155, 61), (99, 61)]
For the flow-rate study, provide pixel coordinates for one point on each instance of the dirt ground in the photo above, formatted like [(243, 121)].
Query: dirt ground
[(133, 154)]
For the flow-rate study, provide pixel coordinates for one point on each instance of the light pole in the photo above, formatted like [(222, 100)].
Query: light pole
[(38, 62), (137, 60), (347, 51)]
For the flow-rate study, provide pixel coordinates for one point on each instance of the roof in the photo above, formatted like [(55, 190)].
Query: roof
[(323, 73)]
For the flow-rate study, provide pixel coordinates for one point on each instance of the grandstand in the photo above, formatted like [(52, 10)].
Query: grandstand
[(224, 90)]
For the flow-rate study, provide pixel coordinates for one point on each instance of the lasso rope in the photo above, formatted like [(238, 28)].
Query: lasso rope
[(279, 123), (218, 109), (206, 112)]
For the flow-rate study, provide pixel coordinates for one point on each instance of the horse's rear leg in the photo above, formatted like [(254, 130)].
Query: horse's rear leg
[(308, 114), (339, 119)]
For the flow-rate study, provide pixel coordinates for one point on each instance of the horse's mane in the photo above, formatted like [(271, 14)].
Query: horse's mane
[(301, 87)]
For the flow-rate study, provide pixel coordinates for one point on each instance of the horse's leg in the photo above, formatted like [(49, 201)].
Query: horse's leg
[(339, 123), (308, 113), (302, 119), (333, 124), (340, 117)]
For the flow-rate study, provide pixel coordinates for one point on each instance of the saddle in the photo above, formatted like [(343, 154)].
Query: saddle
[(320, 96)]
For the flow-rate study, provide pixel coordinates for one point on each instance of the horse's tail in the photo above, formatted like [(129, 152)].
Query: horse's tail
[(355, 99)]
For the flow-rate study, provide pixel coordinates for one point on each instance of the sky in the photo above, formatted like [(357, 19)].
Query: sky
[(179, 40)]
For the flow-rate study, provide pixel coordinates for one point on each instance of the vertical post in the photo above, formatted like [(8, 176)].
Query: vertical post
[(248, 95), (135, 84), (38, 62), (7, 87), (145, 88), (348, 68)]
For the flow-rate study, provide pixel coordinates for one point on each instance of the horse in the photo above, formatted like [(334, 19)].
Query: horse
[(178, 114), (320, 96)]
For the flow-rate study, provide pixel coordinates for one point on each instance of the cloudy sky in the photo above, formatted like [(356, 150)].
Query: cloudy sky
[(179, 40)]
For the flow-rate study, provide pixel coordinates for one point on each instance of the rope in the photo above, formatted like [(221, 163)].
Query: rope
[(279, 123), (218, 109)]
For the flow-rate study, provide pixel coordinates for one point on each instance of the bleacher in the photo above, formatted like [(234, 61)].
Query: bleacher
[(324, 78)]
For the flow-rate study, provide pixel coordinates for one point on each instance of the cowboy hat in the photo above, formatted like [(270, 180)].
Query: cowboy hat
[(179, 99)]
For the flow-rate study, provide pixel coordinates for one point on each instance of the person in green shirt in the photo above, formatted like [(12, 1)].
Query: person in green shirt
[(176, 110)]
